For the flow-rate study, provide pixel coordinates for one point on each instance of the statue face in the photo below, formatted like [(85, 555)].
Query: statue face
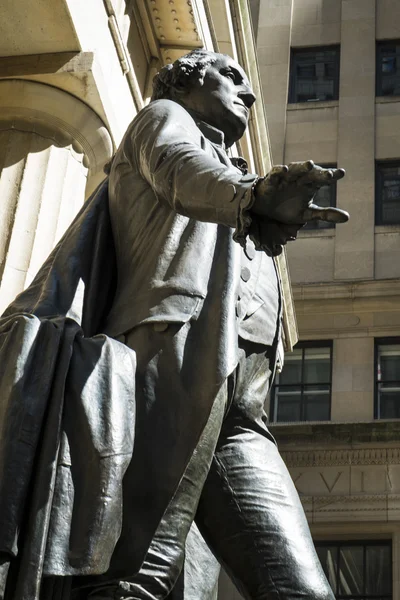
[(224, 99)]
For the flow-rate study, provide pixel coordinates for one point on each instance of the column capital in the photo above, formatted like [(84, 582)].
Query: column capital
[(57, 115)]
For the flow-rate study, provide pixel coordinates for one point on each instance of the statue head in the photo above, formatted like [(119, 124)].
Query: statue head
[(213, 86)]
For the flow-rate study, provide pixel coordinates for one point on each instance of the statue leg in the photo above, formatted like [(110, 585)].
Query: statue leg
[(249, 511), (199, 577), (165, 558)]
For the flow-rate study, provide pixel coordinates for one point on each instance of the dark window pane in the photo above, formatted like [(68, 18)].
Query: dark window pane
[(388, 381), (390, 368), (324, 196), (351, 570), (388, 69), (292, 371), (328, 557), (391, 213), (302, 392), (389, 402), (378, 570), (306, 71), (357, 571), (314, 75), (317, 365), (390, 199), (316, 405), (288, 402), (389, 362), (329, 69), (388, 194), (388, 64)]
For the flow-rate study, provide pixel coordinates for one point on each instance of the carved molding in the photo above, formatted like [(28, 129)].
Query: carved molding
[(50, 108), (347, 290), (336, 458), (328, 500), (353, 504)]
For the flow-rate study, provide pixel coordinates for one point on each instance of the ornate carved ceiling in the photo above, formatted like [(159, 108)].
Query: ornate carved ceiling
[(174, 22), (175, 26)]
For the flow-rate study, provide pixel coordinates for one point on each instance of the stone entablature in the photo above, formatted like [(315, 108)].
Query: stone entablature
[(340, 469), (342, 458)]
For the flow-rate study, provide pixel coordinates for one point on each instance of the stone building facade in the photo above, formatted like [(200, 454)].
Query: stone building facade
[(330, 72)]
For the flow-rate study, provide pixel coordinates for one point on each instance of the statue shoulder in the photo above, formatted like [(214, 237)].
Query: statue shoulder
[(163, 120), (164, 110)]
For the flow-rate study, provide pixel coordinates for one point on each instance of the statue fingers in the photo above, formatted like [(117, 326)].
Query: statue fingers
[(276, 175), (338, 174), (318, 177), (297, 170), (330, 214)]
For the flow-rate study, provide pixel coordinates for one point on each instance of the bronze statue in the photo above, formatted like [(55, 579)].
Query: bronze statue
[(137, 364)]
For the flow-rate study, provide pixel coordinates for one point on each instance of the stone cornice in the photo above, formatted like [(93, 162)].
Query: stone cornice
[(341, 458), (347, 290), (302, 436)]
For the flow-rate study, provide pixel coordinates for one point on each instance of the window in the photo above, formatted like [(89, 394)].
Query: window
[(326, 196), (302, 392), (388, 68), (387, 360), (358, 570), (387, 194), (314, 74)]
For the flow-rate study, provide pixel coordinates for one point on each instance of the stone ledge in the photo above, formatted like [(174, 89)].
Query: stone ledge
[(346, 290), (386, 99), (331, 434), (313, 233), (42, 64), (316, 104), (379, 229)]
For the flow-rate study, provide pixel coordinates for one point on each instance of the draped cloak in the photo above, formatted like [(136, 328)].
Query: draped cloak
[(67, 411)]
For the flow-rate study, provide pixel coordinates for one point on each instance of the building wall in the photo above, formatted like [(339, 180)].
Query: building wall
[(346, 280)]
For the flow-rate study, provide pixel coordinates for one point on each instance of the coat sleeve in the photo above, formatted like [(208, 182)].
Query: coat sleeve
[(165, 144)]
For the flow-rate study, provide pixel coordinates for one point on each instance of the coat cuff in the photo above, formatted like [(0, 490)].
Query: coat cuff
[(244, 217)]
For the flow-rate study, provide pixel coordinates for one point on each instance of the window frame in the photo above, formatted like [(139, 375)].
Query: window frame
[(383, 341), (378, 189), (364, 543), (378, 71), (292, 74), (303, 345)]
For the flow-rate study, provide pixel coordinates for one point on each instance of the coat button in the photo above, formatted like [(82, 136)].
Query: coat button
[(245, 274), (250, 251)]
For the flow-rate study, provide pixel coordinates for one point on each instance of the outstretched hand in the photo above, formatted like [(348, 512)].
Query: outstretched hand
[(286, 194)]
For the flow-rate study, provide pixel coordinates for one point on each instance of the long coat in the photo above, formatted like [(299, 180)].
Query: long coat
[(177, 204), (68, 397)]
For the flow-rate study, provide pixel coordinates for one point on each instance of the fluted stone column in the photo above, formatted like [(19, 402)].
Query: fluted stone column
[(51, 144)]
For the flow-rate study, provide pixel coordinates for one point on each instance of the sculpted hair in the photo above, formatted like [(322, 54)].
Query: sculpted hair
[(182, 73)]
